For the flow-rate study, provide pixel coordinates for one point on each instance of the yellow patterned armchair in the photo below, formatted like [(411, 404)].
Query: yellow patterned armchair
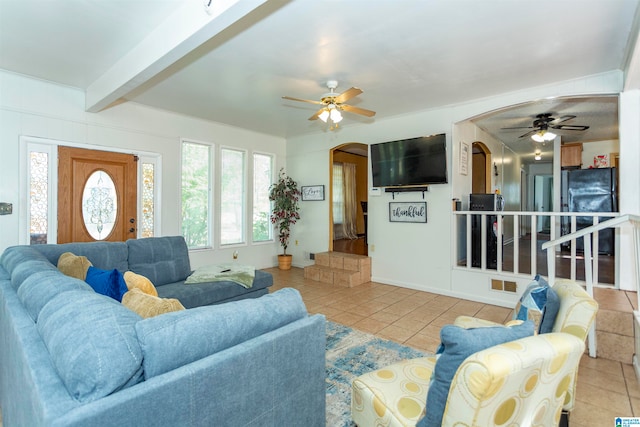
[(521, 382), (576, 315)]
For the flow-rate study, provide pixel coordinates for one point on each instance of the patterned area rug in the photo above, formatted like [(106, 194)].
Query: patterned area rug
[(351, 353)]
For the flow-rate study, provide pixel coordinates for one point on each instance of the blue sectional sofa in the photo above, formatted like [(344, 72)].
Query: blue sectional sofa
[(72, 357), (165, 261)]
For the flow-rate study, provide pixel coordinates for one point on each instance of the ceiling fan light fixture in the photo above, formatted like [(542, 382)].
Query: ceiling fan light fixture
[(549, 136), (324, 115), (538, 136), (335, 115)]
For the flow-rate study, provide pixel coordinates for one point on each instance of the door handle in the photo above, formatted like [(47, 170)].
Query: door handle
[(131, 230), (132, 220)]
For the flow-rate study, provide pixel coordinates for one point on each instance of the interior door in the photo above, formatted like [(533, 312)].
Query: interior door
[(97, 197)]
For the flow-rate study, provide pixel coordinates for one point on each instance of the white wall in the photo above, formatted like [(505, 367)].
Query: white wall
[(629, 189), (416, 255), (35, 108), (592, 149)]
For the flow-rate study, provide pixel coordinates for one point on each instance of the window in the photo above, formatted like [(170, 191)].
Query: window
[(262, 178), (338, 197), (232, 197), (196, 194), (38, 197), (149, 177)]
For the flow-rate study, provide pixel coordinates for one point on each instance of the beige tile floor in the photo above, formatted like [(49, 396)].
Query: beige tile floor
[(606, 389)]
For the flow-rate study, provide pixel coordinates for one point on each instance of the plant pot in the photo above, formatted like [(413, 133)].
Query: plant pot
[(284, 262)]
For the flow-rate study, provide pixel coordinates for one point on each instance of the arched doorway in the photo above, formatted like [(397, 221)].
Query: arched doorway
[(348, 171), (480, 168)]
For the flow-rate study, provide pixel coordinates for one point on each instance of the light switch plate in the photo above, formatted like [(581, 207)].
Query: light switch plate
[(375, 191)]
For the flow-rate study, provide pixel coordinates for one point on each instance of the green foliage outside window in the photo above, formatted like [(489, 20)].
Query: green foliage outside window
[(195, 194)]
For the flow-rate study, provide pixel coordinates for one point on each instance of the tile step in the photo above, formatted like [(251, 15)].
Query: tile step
[(337, 276)]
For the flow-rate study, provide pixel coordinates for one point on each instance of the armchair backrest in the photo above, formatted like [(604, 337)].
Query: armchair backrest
[(576, 316), (515, 383), (577, 309)]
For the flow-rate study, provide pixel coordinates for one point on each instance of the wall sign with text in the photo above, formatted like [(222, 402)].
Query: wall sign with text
[(408, 212), (313, 192)]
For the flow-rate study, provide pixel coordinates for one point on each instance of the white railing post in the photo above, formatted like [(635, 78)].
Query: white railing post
[(588, 274), (516, 244)]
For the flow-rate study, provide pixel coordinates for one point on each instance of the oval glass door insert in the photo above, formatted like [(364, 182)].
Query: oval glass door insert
[(99, 205)]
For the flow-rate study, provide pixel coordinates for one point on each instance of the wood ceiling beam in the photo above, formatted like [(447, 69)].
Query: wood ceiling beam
[(188, 28)]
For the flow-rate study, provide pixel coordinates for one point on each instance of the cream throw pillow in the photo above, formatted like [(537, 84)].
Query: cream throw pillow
[(138, 281), (73, 265), (148, 305)]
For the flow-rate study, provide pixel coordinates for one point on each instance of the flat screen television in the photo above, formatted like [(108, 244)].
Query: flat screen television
[(410, 162)]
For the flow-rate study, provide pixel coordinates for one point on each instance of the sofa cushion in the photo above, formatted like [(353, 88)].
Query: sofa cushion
[(104, 255), (199, 294), (107, 282), (92, 342), (25, 269), (74, 265), (160, 259), (16, 255), (41, 287), (458, 344), (540, 304), (216, 328), (148, 305), (138, 281)]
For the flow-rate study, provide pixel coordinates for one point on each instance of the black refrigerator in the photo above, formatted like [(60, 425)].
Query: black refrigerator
[(590, 190), (485, 202)]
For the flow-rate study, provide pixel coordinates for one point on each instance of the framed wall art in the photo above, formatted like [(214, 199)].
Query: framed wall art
[(313, 192), (408, 212), (464, 158)]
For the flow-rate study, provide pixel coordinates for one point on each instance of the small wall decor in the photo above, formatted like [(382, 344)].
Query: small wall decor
[(313, 192), (601, 161), (408, 212), (464, 158)]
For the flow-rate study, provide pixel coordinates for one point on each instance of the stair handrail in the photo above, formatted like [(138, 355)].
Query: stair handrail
[(588, 266)]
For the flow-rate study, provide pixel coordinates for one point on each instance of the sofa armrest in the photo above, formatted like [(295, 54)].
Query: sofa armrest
[(269, 380)]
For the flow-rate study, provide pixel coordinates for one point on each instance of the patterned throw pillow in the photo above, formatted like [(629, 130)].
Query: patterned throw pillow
[(540, 304)]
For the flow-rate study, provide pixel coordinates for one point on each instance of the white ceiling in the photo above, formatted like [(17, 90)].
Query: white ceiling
[(233, 67)]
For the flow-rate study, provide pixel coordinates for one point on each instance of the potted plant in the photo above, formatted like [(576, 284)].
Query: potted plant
[(285, 195)]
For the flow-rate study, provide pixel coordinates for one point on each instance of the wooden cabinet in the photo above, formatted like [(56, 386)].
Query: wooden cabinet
[(571, 154)]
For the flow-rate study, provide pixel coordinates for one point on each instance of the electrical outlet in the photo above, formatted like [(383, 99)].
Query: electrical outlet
[(372, 247), (6, 208), (296, 243)]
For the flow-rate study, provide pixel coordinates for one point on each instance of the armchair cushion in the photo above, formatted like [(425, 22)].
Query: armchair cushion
[(539, 303), (458, 344)]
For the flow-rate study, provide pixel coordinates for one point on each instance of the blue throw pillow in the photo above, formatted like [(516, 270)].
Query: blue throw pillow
[(458, 344), (540, 304), (107, 282)]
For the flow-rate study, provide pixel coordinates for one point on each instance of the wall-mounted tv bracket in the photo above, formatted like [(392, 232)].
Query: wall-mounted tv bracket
[(394, 190)]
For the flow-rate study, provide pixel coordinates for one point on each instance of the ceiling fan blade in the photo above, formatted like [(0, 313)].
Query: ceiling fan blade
[(520, 127), (528, 133), (347, 95), (570, 127), (357, 110), (316, 114), (557, 121), (303, 100)]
